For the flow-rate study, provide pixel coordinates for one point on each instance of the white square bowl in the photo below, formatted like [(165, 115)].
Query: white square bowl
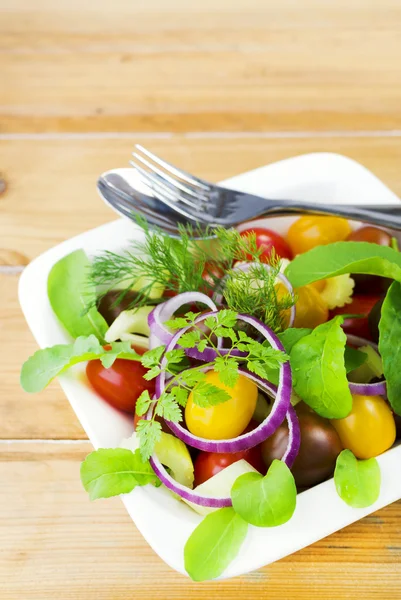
[(163, 521)]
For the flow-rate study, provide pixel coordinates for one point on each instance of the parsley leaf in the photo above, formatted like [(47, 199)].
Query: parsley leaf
[(152, 358), (180, 394), (143, 403), (206, 394), (149, 433), (227, 369), (190, 338), (168, 408), (226, 317)]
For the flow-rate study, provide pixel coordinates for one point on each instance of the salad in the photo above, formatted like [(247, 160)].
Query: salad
[(254, 367)]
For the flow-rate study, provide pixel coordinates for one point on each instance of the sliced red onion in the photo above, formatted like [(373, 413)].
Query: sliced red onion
[(357, 341), (368, 389), (267, 427), (218, 296)]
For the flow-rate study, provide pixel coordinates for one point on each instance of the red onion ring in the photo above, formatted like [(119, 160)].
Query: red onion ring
[(218, 296), (266, 428), (368, 389)]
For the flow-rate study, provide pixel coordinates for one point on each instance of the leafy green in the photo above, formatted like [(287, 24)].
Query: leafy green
[(389, 344), (353, 359), (227, 370), (206, 394), (214, 543), (291, 336), (143, 403), (73, 299), (265, 501), (114, 471), (318, 370), (357, 481), (323, 262), (43, 366), (149, 433)]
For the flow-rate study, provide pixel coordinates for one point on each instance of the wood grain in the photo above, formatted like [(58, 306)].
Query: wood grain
[(56, 544), (182, 66)]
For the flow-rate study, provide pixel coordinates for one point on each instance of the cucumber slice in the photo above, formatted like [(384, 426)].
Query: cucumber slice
[(129, 321)]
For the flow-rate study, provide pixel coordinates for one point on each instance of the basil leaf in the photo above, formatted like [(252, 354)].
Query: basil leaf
[(318, 370), (353, 358), (389, 344), (43, 366), (71, 294), (214, 544), (357, 481), (323, 262), (266, 501), (114, 471)]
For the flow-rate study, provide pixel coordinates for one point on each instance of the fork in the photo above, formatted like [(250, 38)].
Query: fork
[(199, 202)]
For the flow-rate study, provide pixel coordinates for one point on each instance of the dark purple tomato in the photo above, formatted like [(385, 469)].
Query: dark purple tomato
[(370, 284)]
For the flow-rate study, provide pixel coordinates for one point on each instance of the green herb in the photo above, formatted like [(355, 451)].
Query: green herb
[(114, 471), (353, 359), (214, 544), (266, 501), (318, 370), (43, 366), (357, 481), (389, 344), (72, 299), (344, 257)]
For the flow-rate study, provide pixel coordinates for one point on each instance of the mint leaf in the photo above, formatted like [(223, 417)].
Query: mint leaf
[(214, 544), (73, 297), (357, 481), (323, 262), (180, 394), (227, 368), (266, 501), (190, 339), (389, 344), (114, 471), (318, 370), (143, 403), (206, 394), (152, 358), (168, 408), (149, 433), (43, 366)]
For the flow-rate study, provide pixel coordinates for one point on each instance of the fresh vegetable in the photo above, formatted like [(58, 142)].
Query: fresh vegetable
[(225, 420), (368, 284), (337, 291), (318, 369), (43, 366), (73, 299), (266, 501), (129, 321), (371, 368), (111, 304), (389, 344), (310, 309), (214, 544), (369, 429), (308, 232), (360, 306), (269, 242), (357, 481), (320, 446)]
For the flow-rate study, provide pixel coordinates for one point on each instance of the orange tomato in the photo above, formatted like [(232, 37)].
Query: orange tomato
[(308, 232)]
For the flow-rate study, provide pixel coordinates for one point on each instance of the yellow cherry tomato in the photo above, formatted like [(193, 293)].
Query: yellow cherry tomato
[(225, 420), (369, 429), (310, 308), (308, 232)]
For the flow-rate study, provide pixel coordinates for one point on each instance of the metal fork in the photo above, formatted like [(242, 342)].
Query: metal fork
[(199, 202)]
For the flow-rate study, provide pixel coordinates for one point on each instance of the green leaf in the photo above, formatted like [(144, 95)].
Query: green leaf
[(190, 339), (168, 408), (227, 368), (389, 344), (143, 403), (227, 317), (292, 335), (206, 394), (177, 323), (266, 501), (152, 358), (114, 471), (175, 356), (323, 262), (149, 433), (43, 366), (214, 544), (210, 322), (202, 345), (318, 370), (181, 395), (357, 481), (152, 373), (226, 332), (71, 294), (353, 358), (191, 377)]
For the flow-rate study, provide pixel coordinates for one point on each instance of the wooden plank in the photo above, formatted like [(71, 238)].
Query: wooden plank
[(56, 544), (179, 66)]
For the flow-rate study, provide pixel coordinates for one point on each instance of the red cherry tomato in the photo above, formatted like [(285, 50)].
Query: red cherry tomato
[(267, 240), (212, 274), (360, 305), (121, 384)]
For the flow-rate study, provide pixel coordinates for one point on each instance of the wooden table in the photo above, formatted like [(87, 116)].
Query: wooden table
[(219, 87)]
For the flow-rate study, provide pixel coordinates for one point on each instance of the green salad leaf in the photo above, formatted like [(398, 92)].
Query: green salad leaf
[(113, 471), (291, 336), (353, 358), (43, 366), (266, 501), (389, 344), (323, 262), (357, 481), (73, 298), (318, 370), (214, 544)]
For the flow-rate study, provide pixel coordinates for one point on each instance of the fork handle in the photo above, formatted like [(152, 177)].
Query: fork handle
[(386, 215)]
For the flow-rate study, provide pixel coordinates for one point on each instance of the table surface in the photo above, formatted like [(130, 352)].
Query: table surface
[(218, 88)]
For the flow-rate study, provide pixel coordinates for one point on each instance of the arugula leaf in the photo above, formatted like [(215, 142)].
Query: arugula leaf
[(206, 394), (114, 471), (353, 358), (214, 544), (149, 433), (227, 368), (168, 408), (318, 370), (73, 299), (323, 262), (357, 481), (143, 403), (389, 344), (292, 335), (266, 501), (43, 366)]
